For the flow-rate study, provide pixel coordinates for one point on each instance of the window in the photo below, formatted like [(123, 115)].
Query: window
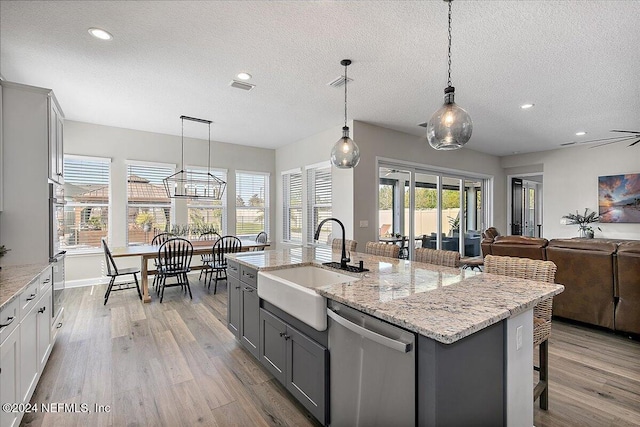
[(252, 203), (149, 209), (292, 206), (208, 214), (318, 201), (86, 213)]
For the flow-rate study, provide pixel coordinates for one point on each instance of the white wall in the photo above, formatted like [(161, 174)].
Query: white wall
[(355, 191), (126, 144), (309, 151), (375, 141), (571, 183)]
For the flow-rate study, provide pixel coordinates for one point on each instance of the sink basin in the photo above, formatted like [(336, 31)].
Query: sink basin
[(292, 290)]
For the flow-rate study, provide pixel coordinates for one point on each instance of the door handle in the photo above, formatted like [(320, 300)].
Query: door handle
[(400, 346), (9, 321), (32, 297)]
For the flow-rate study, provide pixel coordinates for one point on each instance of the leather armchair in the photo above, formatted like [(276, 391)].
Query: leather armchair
[(627, 313), (519, 246), (586, 269)]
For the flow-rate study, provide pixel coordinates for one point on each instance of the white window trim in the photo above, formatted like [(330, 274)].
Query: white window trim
[(310, 197), (108, 205), (225, 200), (286, 205), (267, 202), (172, 204)]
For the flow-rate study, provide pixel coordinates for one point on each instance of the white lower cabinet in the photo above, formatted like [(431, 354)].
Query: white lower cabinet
[(29, 354), (10, 377), (24, 351)]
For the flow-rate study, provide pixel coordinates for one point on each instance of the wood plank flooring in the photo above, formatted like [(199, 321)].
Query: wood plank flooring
[(176, 364)]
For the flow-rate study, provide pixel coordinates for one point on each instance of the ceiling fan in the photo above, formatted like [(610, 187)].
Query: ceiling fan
[(630, 135)]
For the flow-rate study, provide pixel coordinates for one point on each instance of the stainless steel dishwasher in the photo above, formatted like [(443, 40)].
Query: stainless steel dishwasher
[(373, 370)]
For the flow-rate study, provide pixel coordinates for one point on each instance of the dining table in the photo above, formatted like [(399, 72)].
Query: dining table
[(148, 252)]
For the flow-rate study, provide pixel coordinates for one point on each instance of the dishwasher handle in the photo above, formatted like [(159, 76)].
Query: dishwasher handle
[(400, 346)]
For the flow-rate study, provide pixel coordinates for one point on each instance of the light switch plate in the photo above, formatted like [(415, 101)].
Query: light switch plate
[(364, 223)]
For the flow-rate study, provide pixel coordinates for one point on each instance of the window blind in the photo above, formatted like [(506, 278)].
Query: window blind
[(149, 209), (318, 201), (203, 214), (252, 203), (86, 212), (292, 206)]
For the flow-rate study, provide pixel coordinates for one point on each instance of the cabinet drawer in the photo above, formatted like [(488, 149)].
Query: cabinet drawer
[(249, 276), (29, 297), (233, 268), (9, 318), (45, 279)]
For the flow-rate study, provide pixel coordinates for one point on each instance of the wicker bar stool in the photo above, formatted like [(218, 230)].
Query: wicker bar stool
[(382, 249), (438, 257), (350, 245), (542, 271)]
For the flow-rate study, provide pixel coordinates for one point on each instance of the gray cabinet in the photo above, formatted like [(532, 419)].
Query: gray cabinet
[(243, 315), (233, 305), (250, 319), (273, 346), (297, 361)]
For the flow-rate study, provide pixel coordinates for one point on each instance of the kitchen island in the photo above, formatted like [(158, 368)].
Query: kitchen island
[(474, 352)]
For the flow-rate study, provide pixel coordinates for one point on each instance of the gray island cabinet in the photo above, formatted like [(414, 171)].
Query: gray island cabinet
[(473, 351)]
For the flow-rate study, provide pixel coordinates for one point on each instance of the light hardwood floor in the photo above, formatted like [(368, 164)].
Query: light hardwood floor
[(176, 364)]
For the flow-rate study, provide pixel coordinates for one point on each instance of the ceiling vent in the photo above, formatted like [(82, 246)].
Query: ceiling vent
[(241, 85), (338, 82), (423, 125)]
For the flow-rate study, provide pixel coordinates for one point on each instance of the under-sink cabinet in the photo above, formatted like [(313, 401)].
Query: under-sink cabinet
[(297, 361)]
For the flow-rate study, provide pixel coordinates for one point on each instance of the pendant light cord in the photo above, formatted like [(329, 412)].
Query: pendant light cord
[(449, 54), (182, 161), (209, 155), (346, 80)]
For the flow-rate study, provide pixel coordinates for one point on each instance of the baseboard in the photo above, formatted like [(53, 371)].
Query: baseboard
[(103, 281), (86, 282)]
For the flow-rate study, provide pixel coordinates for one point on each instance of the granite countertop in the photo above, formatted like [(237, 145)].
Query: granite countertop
[(14, 278), (442, 303)]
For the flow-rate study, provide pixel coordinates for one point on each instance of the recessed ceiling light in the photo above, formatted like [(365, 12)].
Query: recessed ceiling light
[(581, 133), (244, 76), (526, 106), (100, 34)]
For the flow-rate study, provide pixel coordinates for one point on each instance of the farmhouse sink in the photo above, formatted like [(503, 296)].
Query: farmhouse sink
[(292, 290)]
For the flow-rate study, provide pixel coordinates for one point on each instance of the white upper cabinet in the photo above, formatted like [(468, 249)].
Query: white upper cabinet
[(56, 132)]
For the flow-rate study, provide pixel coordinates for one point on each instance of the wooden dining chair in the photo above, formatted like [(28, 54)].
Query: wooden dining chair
[(382, 249), (211, 236), (542, 271), (437, 257), (113, 272), (174, 258), (159, 239), (218, 264), (261, 238)]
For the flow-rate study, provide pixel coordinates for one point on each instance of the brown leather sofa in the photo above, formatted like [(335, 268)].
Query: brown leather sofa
[(519, 246), (627, 313), (586, 269), (601, 276)]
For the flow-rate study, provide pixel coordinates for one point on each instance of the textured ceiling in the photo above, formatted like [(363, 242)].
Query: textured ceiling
[(577, 61)]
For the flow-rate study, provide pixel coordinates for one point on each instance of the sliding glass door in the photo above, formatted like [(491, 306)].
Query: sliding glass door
[(421, 208)]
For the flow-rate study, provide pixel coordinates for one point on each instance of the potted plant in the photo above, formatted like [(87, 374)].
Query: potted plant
[(145, 220), (583, 222), (3, 251)]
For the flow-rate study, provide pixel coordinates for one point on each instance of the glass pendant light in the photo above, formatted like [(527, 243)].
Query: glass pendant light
[(450, 127), (345, 153)]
